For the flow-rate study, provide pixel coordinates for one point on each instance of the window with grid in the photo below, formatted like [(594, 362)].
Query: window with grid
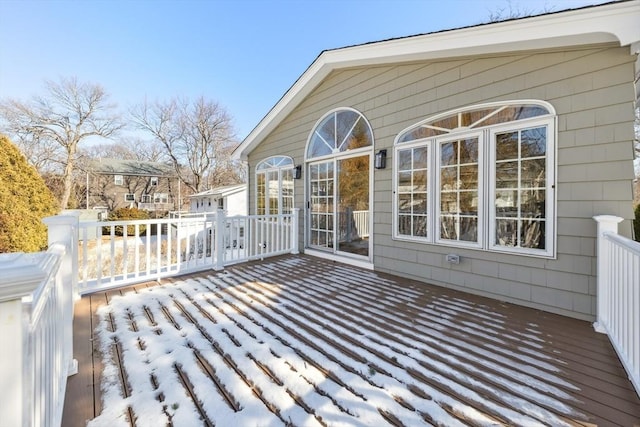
[(274, 186), (458, 190), (519, 186), (480, 177), (412, 194)]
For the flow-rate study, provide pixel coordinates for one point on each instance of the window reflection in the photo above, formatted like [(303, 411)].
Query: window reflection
[(520, 204), (515, 160), (412, 197), (274, 186), (339, 131)]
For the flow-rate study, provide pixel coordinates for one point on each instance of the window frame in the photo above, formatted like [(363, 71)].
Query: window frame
[(428, 143), (118, 180), (161, 198), (437, 189), (129, 199), (263, 168), (550, 181), (486, 179), (338, 146)]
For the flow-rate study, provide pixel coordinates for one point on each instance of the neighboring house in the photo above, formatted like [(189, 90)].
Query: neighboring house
[(231, 198), (149, 186), (473, 158)]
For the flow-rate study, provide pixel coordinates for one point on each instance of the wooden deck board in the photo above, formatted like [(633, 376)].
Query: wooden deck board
[(480, 339)]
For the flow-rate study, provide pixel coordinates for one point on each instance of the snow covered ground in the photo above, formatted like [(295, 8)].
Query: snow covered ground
[(295, 342)]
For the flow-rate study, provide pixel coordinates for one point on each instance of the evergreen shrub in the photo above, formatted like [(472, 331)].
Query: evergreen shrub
[(24, 201), (127, 214)]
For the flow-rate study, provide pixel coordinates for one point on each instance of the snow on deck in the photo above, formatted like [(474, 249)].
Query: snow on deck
[(306, 342)]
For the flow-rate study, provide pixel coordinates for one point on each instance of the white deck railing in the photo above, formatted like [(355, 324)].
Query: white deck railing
[(36, 331), (619, 294), (117, 253), (37, 290), (361, 220)]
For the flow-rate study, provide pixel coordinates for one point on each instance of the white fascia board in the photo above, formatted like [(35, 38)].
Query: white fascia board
[(611, 23)]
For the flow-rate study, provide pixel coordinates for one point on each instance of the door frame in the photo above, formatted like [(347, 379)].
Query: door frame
[(333, 253)]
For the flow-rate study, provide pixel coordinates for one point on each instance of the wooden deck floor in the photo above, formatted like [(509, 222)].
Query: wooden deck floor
[(409, 351)]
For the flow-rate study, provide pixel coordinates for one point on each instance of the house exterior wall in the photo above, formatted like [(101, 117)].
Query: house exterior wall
[(103, 192), (203, 204), (235, 204), (592, 90)]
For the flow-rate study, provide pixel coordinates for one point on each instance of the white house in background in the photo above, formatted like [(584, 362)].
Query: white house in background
[(231, 198)]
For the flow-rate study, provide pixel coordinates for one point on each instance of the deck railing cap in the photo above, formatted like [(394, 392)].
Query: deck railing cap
[(21, 274), (608, 218)]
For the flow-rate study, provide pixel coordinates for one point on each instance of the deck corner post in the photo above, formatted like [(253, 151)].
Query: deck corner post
[(606, 224), (64, 229), (220, 229), (13, 339), (295, 212)]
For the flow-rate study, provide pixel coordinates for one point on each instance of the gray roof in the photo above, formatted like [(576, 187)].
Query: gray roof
[(130, 168)]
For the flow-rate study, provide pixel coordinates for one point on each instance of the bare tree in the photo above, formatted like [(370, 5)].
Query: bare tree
[(198, 137), (128, 149), (514, 11), (50, 128)]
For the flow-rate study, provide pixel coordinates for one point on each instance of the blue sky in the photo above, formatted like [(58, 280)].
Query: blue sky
[(243, 54)]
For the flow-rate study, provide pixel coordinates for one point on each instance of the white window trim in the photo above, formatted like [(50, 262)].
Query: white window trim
[(550, 193), (396, 209), (130, 200), (333, 154), (118, 180), (486, 191), (265, 172), (435, 218), (159, 197)]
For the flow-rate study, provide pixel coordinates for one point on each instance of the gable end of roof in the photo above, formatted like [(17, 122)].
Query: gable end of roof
[(608, 23)]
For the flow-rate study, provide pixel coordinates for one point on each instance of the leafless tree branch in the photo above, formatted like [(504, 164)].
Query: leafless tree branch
[(50, 128)]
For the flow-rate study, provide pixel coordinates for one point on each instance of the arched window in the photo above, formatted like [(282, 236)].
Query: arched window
[(338, 180), (338, 131), (480, 177), (274, 186)]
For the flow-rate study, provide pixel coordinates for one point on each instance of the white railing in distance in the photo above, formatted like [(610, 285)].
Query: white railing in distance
[(117, 253), (619, 294), (361, 220)]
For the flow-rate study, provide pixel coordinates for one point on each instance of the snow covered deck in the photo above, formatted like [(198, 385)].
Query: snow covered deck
[(296, 340)]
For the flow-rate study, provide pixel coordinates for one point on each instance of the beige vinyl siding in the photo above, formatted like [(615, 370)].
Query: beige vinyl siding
[(593, 93)]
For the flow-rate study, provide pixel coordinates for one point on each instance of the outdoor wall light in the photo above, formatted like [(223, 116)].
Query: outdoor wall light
[(381, 159), (297, 172)]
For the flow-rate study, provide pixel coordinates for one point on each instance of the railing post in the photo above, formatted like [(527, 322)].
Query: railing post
[(606, 224), (295, 212), (63, 229), (220, 229), (13, 339)]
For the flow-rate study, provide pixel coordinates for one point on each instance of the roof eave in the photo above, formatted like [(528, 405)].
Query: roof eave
[(610, 23)]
